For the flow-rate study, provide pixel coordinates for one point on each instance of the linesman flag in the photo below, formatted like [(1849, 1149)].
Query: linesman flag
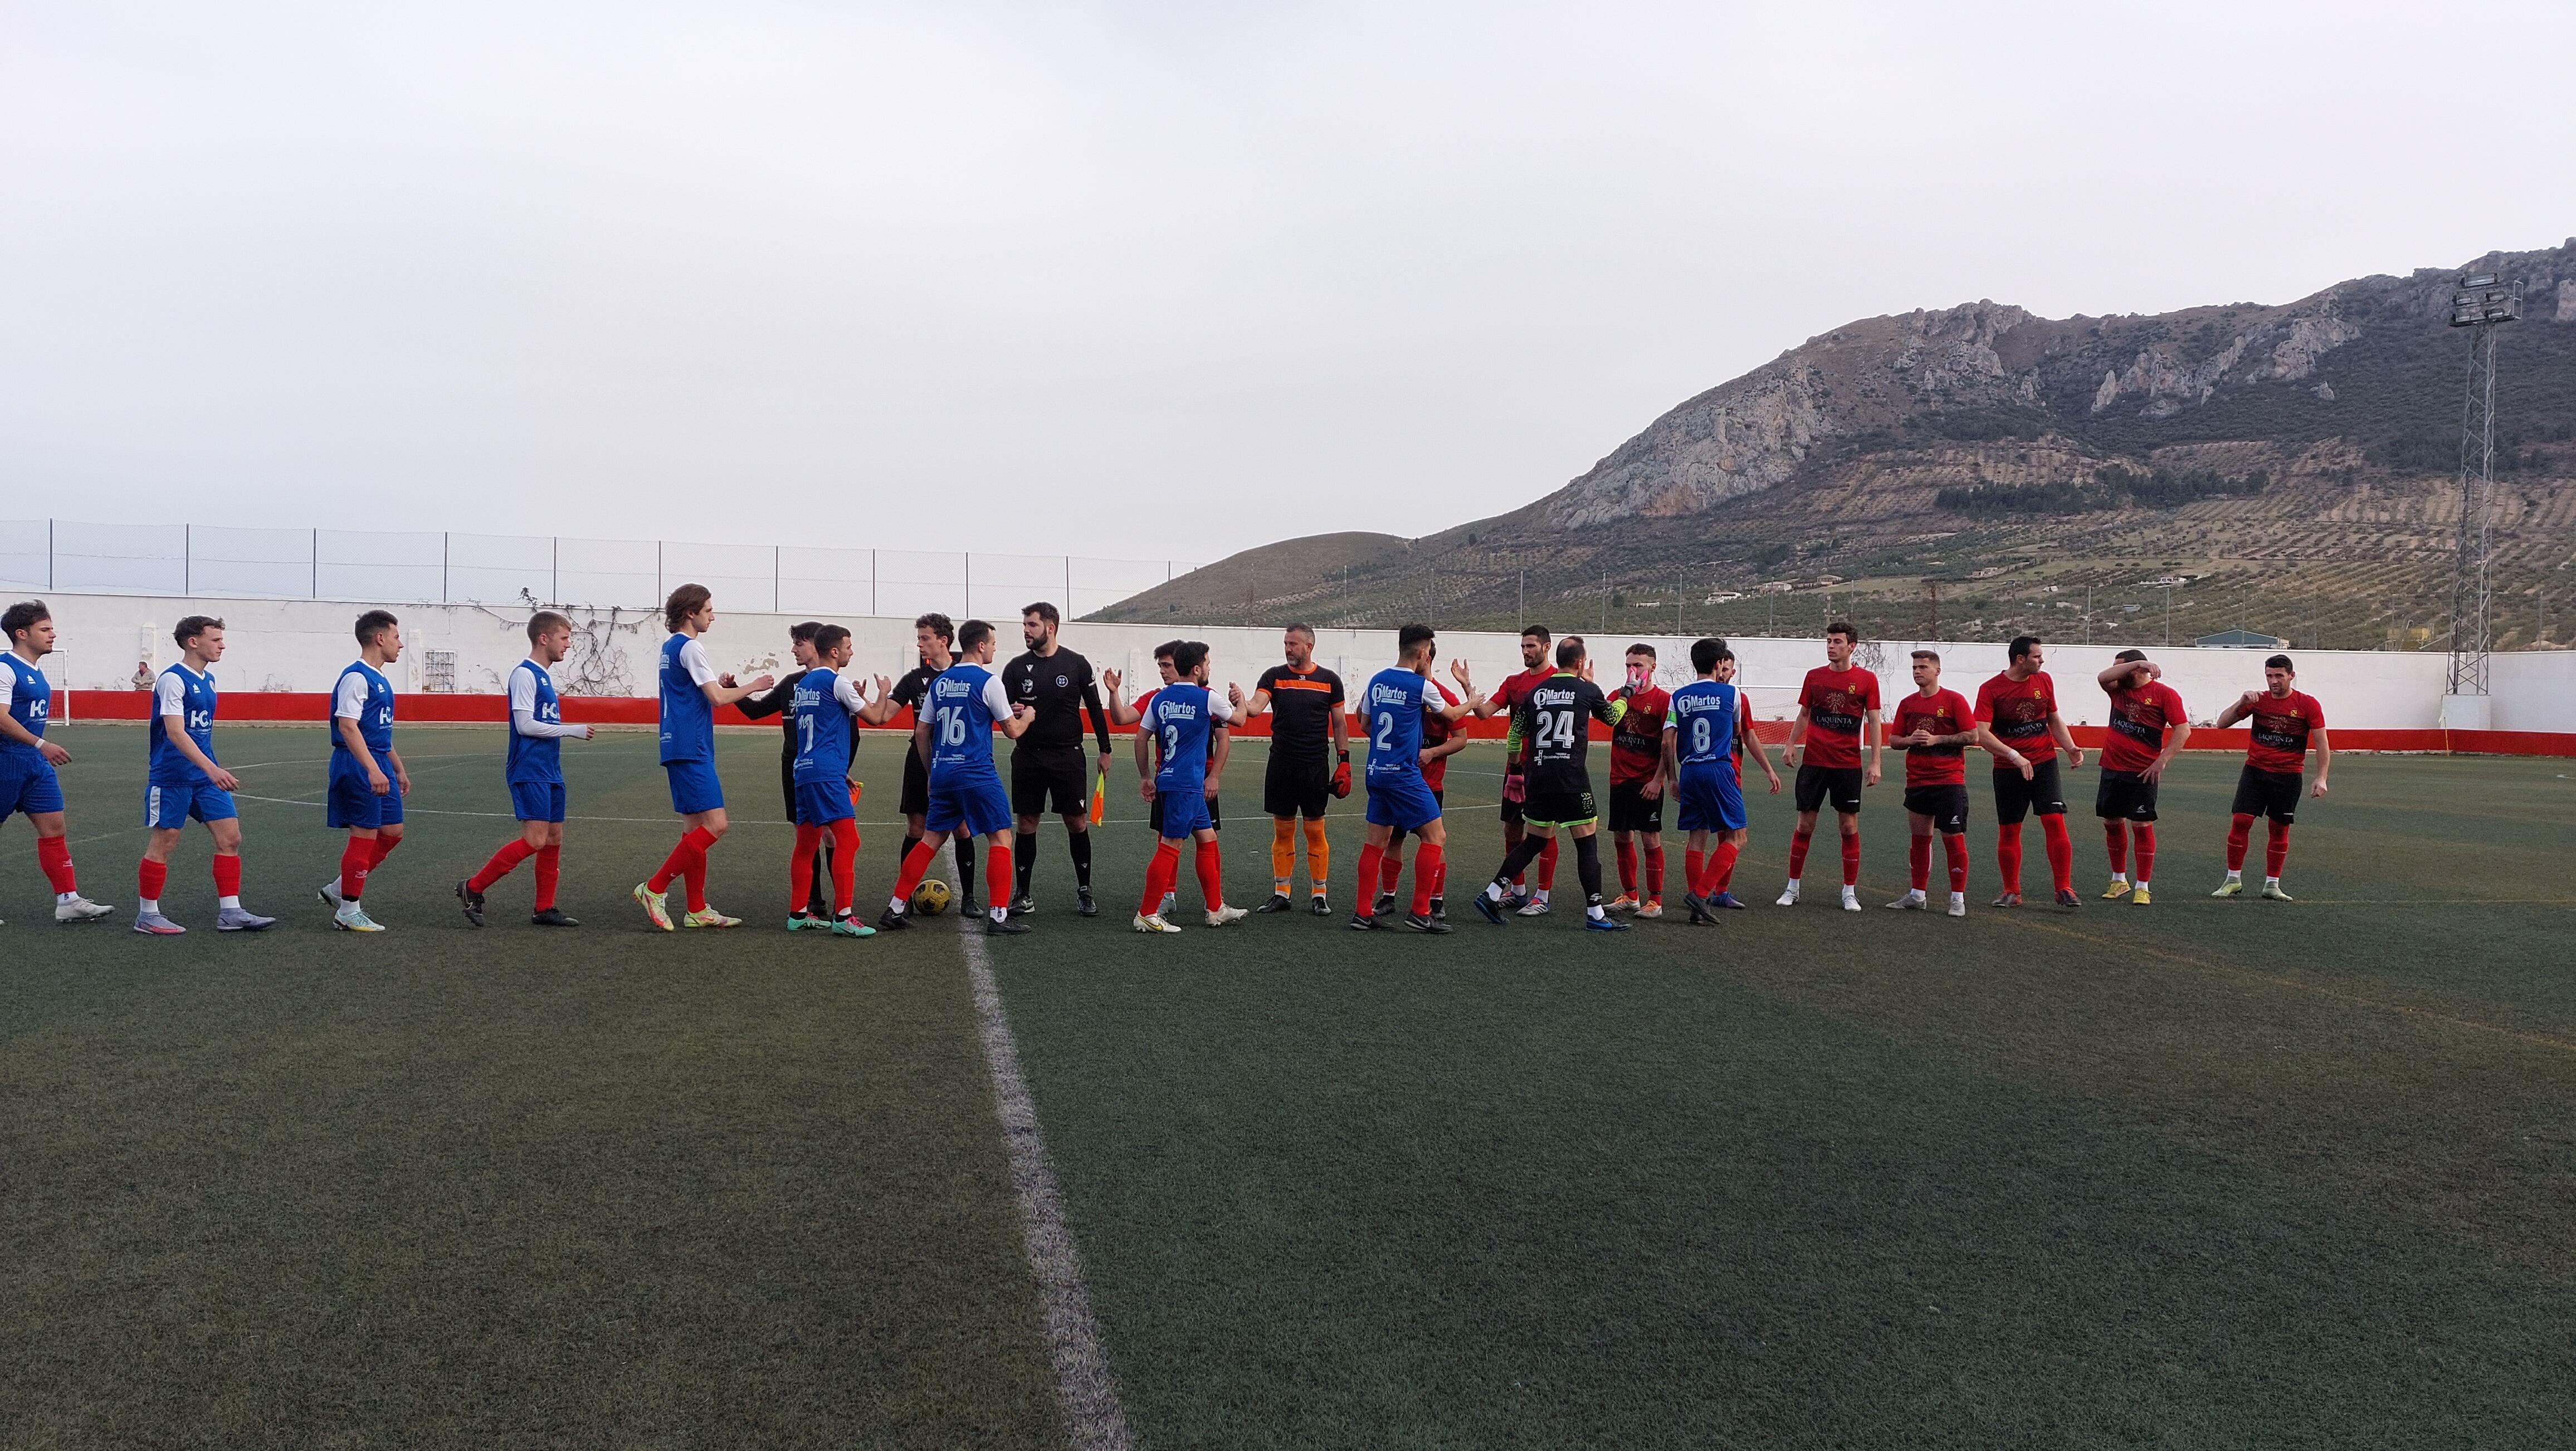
[(1099, 796)]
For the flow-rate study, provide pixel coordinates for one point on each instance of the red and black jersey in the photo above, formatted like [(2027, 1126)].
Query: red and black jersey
[(1838, 703), (2281, 729), (1943, 713), (1436, 732), (2139, 720), (2019, 712), (1637, 741), (1514, 695)]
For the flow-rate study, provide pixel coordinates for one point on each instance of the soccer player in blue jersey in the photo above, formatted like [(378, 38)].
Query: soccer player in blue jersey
[(691, 691), (1176, 723), (368, 781), (1700, 734), (27, 759), (535, 773), (955, 737), (186, 785), (826, 701), (1392, 707)]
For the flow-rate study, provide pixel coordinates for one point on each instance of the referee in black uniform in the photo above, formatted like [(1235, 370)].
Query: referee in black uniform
[(1047, 768)]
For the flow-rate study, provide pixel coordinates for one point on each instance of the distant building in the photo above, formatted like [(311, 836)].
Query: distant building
[(2241, 640)]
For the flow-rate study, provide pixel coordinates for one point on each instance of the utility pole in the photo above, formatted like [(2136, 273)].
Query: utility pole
[(2481, 303)]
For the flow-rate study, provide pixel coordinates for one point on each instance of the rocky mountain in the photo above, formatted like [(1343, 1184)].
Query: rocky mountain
[(2292, 465)]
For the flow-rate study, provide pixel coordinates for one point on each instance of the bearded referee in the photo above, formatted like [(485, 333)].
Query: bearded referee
[(1047, 768), (1310, 762)]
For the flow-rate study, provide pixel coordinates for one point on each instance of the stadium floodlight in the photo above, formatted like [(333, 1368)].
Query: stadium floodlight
[(2480, 302)]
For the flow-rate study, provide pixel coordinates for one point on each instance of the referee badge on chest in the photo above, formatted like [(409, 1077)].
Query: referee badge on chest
[(1064, 682)]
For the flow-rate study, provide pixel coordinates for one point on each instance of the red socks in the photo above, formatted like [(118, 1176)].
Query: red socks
[(2276, 847), (503, 862), (1955, 847), (227, 876), (1799, 841), (800, 867), (1717, 871), (997, 869), (1918, 860), (2115, 836), (356, 860), (1163, 871), (1380, 864), (1627, 866), (1851, 859), (54, 854), (1654, 873), (1390, 876), (1427, 867), (2008, 855), (2146, 852), (915, 866), (2240, 832), (1212, 875), (151, 876), (1694, 865), (1547, 866), (688, 862), (384, 848), (845, 866), (2061, 852), (549, 870)]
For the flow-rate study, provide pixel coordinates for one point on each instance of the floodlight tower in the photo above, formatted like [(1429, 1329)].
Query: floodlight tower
[(2481, 303)]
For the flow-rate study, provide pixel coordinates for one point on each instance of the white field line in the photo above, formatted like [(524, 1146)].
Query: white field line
[(1086, 1391)]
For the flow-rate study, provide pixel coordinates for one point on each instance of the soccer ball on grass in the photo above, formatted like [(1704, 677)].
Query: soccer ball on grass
[(930, 898)]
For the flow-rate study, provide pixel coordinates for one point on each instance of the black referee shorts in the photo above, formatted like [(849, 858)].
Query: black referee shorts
[(2016, 798), (1290, 787), (916, 785), (1050, 774)]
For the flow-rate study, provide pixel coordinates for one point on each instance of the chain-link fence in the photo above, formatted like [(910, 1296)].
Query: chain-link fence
[(202, 560)]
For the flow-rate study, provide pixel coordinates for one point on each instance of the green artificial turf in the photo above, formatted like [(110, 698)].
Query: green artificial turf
[(2196, 1174)]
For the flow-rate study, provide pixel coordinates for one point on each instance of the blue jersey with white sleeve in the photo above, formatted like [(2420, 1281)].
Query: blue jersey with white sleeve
[(1391, 709), (364, 695), (1180, 717), (965, 700), (688, 721), (536, 755), (824, 702), (31, 700), (1703, 716), (184, 693)]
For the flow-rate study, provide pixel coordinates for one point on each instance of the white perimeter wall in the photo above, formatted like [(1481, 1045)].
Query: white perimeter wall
[(300, 645)]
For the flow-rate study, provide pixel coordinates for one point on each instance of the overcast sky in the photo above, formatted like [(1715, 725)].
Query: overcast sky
[(1150, 279)]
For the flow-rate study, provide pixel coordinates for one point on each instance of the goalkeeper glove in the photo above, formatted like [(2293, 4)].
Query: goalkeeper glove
[(1342, 778)]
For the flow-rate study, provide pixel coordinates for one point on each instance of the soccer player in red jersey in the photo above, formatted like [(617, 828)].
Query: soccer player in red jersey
[(1636, 758), (1513, 695), (1934, 727), (2020, 707), (2146, 730), (2286, 723), (1838, 712), (1440, 741)]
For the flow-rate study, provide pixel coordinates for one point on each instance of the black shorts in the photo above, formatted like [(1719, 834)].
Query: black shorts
[(2125, 796), (1560, 808), (1631, 811), (1842, 784), (916, 783), (2016, 798), (2269, 793), (1050, 778), (1216, 816), (1946, 805), (1295, 788)]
